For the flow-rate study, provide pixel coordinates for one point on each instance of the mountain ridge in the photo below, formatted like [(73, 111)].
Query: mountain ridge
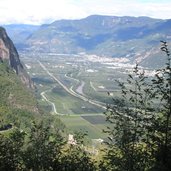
[(15, 96), (9, 53), (110, 36)]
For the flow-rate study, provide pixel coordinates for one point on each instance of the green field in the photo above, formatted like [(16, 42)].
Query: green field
[(78, 88), (68, 104), (78, 123)]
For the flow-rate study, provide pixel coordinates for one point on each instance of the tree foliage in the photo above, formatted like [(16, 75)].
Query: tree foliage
[(11, 151), (162, 87), (130, 119), (140, 136), (76, 157), (43, 148)]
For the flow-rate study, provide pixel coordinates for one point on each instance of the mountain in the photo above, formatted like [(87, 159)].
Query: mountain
[(136, 38), (9, 54), (18, 33), (13, 80), (94, 34)]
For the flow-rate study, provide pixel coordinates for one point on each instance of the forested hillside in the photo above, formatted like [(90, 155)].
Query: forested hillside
[(15, 96)]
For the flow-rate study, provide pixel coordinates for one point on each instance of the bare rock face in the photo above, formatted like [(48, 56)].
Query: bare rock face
[(9, 53), (4, 52)]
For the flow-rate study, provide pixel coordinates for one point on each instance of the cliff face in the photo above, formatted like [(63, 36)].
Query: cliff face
[(9, 53)]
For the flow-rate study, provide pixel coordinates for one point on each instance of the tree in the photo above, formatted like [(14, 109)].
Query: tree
[(140, 136), (76, 157), (43, 150), (130, 119), (11, 150), (162, 87)]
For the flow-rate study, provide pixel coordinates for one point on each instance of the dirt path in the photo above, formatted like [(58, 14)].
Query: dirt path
[(44, 96)]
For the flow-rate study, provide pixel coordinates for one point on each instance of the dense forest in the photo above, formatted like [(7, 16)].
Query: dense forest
[(139, 136)]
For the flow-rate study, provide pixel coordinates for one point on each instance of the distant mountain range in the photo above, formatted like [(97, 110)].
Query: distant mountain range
[(131, 37), (19, 33)]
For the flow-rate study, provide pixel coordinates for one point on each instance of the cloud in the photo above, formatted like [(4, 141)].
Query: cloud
[(37, 11), (43, 11), (151, 8)]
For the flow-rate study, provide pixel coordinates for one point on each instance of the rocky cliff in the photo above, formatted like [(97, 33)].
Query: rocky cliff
[(9, 53)]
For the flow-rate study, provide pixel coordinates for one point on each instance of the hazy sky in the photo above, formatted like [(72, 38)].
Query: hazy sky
[(46, 11)]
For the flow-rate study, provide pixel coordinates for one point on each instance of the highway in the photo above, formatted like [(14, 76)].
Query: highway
[(71, 92)]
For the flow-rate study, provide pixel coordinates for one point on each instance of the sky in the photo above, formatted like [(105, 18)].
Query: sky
[(46, 11)]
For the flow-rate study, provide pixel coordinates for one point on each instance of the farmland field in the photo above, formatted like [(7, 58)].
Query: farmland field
[(77, 88), (78, 123)]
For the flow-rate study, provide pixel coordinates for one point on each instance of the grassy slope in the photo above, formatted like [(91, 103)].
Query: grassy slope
[(16, 101), (13, 92)]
